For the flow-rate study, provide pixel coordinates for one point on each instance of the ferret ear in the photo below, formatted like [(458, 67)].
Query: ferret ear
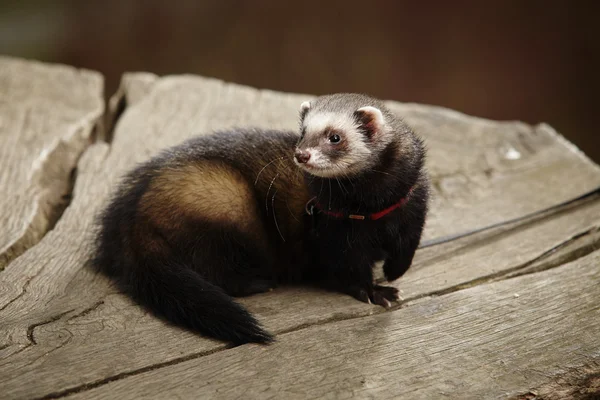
[(304, 107), (370, 120)]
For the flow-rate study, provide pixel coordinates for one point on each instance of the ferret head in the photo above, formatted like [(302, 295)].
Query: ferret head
[(342, 134)]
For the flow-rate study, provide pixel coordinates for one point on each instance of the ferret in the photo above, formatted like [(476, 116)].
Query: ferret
[(239, 212)]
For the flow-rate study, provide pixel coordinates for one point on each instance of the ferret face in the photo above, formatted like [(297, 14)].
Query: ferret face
[(337, 143)]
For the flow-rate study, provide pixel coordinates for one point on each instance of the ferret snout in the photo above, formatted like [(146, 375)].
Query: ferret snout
[(302, 156)]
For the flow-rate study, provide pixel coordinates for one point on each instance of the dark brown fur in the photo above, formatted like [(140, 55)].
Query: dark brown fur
[(343, 251), (218, 215), (224, 215)]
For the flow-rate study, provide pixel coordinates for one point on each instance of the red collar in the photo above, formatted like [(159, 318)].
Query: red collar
[(341, 215)]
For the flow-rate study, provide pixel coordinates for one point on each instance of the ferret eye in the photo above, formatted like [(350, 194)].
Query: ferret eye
[(335, 138)]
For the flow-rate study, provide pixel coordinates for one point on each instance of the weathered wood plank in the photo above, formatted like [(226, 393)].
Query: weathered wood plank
[(47, 115), (485, 172), (491, 341), (121, 338), (62, 327)]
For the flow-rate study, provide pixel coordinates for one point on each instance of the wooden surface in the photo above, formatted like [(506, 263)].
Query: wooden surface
[(482, 342), (461, 330), (47, 115)]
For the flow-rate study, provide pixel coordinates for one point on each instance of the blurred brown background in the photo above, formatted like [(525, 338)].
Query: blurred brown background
[(528, 60)]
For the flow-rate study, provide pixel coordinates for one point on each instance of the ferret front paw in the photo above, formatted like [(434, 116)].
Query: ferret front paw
[(380, 295)]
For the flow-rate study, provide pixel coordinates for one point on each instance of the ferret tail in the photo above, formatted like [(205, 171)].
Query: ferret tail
[(185, 298)]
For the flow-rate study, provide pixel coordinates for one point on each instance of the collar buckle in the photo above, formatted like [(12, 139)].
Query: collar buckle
[(356, 216)]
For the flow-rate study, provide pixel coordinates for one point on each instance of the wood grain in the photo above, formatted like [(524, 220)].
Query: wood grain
[(122, 339), (47, 116), (63, 329), (491, 341), (484, 172)]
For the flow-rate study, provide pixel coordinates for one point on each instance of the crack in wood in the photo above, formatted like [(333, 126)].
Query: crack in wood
[(506, 274), (551, 211), (52, 208), (55, 145), (503, 275), (117, 106), (92, 385), (88, 310), (524, 267), (32, 327), (21, 349), (23, 289)]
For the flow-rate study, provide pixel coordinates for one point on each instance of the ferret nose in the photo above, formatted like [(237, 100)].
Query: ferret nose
[(302, 156)]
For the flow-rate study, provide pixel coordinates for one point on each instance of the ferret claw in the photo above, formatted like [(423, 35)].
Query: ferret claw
[(380, 295), (388, 292), (363, 296)]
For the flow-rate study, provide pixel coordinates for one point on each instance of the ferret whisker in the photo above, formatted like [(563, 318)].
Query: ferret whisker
[(290, 211), (339, 184), (263, 168), (320, 190), (349, 179), (269, 190), (275, 215), (345, 177), (381, 172)]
